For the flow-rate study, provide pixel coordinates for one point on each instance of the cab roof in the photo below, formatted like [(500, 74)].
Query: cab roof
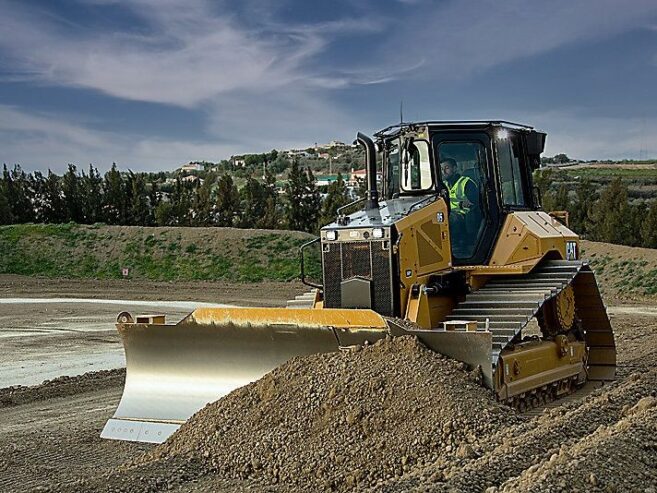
[(398, 128)]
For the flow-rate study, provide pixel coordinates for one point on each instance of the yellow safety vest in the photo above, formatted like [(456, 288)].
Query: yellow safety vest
[(457, 195)]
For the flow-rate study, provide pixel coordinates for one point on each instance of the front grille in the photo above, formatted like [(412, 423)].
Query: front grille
[(356, 260), (369, 260)]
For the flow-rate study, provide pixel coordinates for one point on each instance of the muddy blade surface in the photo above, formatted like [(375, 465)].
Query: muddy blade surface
[(175, 370)]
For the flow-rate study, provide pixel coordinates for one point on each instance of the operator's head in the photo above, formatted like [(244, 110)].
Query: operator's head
[(448, 167)]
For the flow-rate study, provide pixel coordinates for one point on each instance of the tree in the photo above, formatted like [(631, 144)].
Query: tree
[(294, 191), (581, 208), (312, 202), (649, 227), (611, 215), (19, 194), (303, 200), (253, 203), (337, 197), (181, 202), (51, 207), (153, 201), (165, 214), (203, 204), (271, 217), (137, 212), (228, 201), (72, 196), (6, 216), (114, 197), (91, 190), (39, 204)]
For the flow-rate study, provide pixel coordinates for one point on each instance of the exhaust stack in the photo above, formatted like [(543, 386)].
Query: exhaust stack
[(370, 164)]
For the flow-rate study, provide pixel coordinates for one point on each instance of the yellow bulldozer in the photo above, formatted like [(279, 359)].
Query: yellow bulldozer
[(450, 245)]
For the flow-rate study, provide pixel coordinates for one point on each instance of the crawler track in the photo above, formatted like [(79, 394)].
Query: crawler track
[(508, 304)]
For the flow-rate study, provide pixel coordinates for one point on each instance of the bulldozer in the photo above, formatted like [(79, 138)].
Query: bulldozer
[(449, 245)]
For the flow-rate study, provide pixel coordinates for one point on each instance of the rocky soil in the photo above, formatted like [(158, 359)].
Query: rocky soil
[(343, 420), (61, 387), (389, 417), (397, 417)]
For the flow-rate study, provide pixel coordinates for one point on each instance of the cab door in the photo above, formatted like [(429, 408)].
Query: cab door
[(474, 212)]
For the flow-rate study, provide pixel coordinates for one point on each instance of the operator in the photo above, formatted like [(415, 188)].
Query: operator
[(463, 201), (463, 192)]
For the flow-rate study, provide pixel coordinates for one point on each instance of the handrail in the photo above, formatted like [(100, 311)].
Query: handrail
[(303, 272), (350, 204)]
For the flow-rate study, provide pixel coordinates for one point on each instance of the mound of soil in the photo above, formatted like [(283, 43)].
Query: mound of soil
[(558, 449), (601, 461), (61, 387), (343, 420)]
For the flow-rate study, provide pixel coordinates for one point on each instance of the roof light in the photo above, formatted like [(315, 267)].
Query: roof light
[(502, 134)]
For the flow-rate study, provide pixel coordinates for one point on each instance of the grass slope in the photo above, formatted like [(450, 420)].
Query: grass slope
[(167, 254), (626, 273), (164, 254)]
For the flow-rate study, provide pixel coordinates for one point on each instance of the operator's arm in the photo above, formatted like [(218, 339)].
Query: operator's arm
[(472, 193)]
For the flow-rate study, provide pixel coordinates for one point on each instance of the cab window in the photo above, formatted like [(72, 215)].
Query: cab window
[(509, 155), (415, 166), (463, 171), (392, 176)]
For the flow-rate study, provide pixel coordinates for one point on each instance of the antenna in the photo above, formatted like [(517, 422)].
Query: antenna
[(401, 111)]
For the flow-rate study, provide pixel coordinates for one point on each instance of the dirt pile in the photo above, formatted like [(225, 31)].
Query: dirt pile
[(61, 387), (342, 420), (603, 460), (559, 449)]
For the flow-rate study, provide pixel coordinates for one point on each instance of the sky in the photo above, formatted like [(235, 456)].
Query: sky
[(153, 84)]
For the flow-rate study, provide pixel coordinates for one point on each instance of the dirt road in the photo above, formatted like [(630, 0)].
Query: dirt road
[(49, 434), (50, 328)]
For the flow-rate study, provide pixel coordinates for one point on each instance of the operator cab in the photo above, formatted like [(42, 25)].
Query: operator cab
[(481, 168)]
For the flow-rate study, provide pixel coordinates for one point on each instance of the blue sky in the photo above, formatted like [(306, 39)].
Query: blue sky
[(151, 84)]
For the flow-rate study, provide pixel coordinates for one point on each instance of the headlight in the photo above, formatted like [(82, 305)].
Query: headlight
[(377, 233), (332, 235)]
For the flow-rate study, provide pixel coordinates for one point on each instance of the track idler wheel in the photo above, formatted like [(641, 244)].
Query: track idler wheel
[(558, 314)]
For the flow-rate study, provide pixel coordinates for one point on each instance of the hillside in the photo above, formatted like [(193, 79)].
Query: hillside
[(640, 179), (151, 253), (624, 273), (230, 254)]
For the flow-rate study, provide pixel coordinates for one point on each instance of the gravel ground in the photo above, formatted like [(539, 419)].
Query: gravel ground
[(266, 293), (61, 387), (391, 417)]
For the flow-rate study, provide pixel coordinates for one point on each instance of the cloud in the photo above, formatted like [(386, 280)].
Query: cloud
[(582, 137), (267, 80), (40, 141), (185, 55), (457, 39)]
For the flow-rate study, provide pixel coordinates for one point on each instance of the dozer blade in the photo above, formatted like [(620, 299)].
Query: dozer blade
[(172, 371)]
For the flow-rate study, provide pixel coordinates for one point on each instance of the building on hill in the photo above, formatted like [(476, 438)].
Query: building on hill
[(292, 153), (191, 179), (325, 180), (359, 175), (334, 144), (191, 167)]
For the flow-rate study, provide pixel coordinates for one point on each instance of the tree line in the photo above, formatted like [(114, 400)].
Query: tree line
[(142, 199), (605, 214)]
